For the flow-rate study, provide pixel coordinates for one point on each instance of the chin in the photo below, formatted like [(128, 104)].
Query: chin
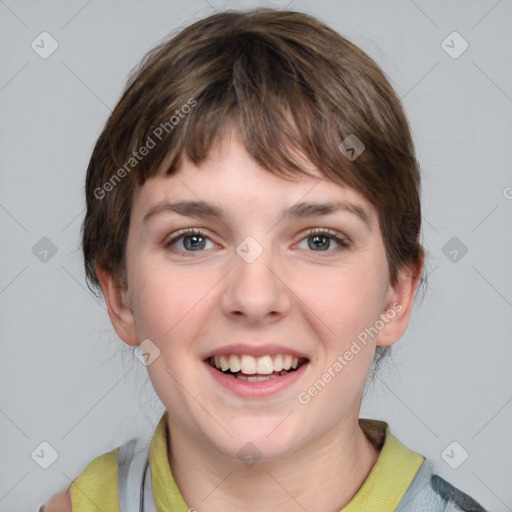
[(258, 439)]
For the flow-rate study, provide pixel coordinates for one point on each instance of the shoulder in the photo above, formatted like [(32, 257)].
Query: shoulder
[(97, 482), (60, 502), (454, 497), (429, 491)]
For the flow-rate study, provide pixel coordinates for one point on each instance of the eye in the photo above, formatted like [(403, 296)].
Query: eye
[(320, 240), (193, 240)]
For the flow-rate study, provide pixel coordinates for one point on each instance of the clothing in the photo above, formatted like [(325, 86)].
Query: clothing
[(401, 480)]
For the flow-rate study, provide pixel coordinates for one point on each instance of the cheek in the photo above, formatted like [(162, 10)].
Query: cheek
[(348, 300), (166, 301)]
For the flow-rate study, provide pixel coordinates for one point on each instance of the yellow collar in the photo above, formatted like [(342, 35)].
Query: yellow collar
[(387, 483)]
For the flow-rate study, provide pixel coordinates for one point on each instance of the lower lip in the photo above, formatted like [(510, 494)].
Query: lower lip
[(261, 389)]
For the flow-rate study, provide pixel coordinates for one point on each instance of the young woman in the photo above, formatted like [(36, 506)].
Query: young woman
[(253, 221)]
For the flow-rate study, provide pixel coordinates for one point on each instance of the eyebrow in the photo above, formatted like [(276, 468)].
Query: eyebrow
[(202, 209)]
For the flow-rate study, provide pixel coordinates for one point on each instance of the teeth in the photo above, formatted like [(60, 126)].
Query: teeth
[(264, 365), (224, 363), (249, 365), (234, 363), (255, 378)]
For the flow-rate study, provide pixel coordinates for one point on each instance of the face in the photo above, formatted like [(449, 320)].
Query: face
[(232, 294)]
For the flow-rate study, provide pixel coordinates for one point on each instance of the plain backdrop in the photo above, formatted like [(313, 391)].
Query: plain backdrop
[(67, 380)]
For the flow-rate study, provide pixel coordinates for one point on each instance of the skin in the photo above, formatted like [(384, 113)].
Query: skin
[(317, 301)]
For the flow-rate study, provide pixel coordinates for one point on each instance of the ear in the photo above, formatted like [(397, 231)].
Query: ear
[(398, 305), (118, 307)]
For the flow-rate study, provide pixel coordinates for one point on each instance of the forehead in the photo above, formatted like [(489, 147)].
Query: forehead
[(230, 182)]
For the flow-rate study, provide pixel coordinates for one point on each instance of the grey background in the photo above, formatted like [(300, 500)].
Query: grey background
[(65, 377)]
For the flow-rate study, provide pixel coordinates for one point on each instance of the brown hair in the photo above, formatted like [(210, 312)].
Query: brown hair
[(291, 86)]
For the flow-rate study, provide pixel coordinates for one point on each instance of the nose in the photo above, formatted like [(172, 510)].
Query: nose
[(256, 291)]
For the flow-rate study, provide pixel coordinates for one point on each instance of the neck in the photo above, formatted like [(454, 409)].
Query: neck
[(324, 476)]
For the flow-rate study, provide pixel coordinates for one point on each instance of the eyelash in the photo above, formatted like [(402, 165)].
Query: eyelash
[(343, 242)]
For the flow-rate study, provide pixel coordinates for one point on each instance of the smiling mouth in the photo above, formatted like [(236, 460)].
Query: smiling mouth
[(256, 369)]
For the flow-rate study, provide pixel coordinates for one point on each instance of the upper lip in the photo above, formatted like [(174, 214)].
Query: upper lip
[(254, 350)]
